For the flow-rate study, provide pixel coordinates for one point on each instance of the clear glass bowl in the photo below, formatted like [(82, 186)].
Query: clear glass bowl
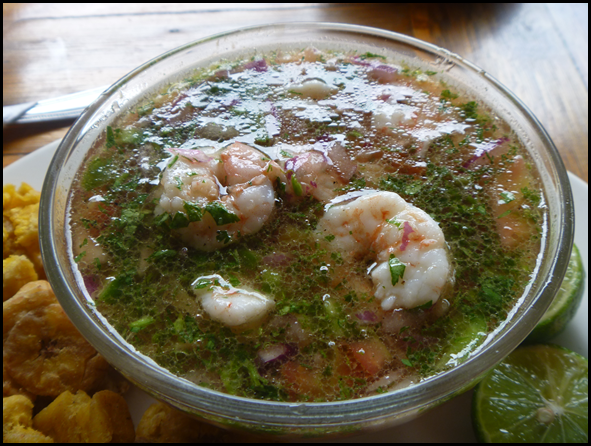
[(303, 419)]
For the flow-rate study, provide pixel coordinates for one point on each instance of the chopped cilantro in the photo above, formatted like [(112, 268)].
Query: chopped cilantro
[(174, 160), (223, 237), (110, 141), (79, 256), (115, 289), (220, 214), (234, 281), (446, 94), (424, 306), (99, 172), (179, 182), (202, 283), (532, 196), (163, 254), (394, 222), (369, 55), (264, 141), (140, 324), (469, 110), (297, 187), (180, 220), (507, 197), (396, 269), (97, 263), (193, 211)]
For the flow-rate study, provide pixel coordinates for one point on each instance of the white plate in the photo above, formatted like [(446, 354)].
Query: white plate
[(449, 422)]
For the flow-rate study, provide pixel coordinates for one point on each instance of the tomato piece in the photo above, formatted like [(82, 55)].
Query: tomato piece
[(371, 355), (100, 215), (506, 204), (304, 381)]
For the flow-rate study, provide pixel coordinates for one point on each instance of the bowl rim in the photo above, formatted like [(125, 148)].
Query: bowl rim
[(186, 395)]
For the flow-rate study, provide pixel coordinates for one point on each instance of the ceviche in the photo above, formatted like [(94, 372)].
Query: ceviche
[(308, 225)]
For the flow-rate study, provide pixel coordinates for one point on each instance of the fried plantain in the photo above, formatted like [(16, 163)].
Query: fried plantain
[(78, 418), (17, 422), (17, 271), (43, 353), (163, 424)]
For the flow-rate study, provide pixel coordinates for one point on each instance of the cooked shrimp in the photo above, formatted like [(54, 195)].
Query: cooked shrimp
[(223, 197), (313, 88), (234, 307), (411, 266), (319, 170)]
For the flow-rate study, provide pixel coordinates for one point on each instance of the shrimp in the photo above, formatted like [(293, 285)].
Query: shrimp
[(313, 88), (319, 171), (411, 264), (43, 353), (219, 198), (233, 307)]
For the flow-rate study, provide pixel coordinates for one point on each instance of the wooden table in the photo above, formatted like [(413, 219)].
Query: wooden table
[(539, 51)]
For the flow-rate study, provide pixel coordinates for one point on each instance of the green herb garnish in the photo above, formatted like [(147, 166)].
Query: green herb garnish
[(220, 214), (396, 269)]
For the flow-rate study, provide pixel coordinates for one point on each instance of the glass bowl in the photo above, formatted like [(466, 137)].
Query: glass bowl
[(290, 420)]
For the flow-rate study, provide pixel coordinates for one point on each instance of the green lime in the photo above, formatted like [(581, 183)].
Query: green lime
[(538, 394), (565, 304)]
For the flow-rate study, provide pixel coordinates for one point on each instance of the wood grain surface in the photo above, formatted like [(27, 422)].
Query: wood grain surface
[(538, 51)]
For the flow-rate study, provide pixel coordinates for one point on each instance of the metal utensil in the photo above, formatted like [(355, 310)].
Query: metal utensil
[(63, 107)]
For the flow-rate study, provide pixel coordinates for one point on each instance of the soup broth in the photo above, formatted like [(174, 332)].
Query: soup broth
[(307, 226)]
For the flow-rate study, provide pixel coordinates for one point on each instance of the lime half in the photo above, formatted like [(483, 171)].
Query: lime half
[(565, 304), (538, 394)]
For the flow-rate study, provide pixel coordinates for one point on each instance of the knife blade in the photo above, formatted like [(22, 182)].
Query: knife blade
[(63, 107)]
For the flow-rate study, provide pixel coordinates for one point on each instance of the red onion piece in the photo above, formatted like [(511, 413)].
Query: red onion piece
[(367, 317), (293, 164), (230, 102), (194, 155), (222, 74), (90, 284), (386, 68), (483, 149), (275, 354), (277, 259), (256, 65), (336, 156), (356, 60), (383, 74), (407, 228)]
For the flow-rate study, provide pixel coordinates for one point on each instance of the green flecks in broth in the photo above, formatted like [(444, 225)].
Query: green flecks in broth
[(370, 125)]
